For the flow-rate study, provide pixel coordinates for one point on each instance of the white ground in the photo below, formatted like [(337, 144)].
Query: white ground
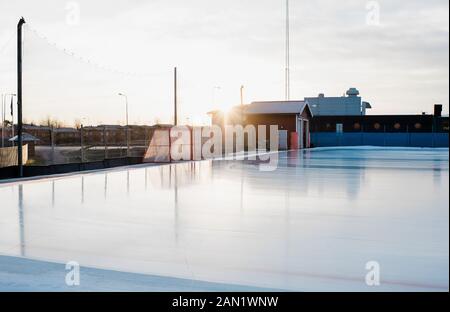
[(312, 224)]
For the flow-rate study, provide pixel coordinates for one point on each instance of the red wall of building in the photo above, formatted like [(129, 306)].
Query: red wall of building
[(284, 122)]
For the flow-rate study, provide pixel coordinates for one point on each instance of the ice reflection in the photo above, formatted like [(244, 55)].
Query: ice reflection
[(105, 188), (21, 222)]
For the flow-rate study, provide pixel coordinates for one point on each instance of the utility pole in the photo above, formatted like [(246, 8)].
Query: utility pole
[(3, 121), (242, 105), (287, 69), (19, 96), (218, 88), (105, 143), (81, 143), (242, 95), (127, 125), (175, 97)]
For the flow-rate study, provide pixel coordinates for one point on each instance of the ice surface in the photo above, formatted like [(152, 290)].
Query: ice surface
[(312, 224)]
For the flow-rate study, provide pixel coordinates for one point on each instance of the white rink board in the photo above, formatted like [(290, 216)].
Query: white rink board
[(312, 224)]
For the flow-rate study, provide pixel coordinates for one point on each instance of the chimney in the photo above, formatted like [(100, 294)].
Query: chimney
[(438, 110)]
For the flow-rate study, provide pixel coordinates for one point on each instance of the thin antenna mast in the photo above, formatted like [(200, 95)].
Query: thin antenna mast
[(287, 70), (175, 97)]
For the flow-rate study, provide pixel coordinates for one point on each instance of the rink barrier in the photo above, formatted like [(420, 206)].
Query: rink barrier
[(32, 171), (326, 139)]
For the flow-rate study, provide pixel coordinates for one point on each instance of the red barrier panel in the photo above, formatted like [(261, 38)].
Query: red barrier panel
[(294, 140)]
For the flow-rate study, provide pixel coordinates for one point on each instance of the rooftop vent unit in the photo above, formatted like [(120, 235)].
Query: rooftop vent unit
[(438, 110), (352, 92)]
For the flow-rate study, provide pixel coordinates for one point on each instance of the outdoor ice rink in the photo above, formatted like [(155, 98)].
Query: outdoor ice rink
[(310, 225)]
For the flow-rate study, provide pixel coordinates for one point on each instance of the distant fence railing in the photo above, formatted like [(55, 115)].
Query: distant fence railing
[(411, 139)]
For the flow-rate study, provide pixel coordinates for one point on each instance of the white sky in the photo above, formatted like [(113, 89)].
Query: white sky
[(399, 66)]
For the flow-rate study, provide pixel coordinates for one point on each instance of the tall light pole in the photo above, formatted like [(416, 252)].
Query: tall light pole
[(175, 97), (242, 105), (127, 125), (19, 97), (3, 120), (214, 95), (126, 107)]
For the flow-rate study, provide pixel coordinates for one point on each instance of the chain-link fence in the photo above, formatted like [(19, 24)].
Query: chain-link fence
[(86, 144)]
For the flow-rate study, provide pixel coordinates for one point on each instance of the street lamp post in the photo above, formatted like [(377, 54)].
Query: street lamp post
[(242, 95), (3, 120), (242, 105), (127, 125), (218, 88), (175, 97)]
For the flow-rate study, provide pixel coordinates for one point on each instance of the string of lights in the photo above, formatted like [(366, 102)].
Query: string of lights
[(7, 42), (87, 60)]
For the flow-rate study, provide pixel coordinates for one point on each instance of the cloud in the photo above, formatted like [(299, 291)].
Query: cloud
[(401, 66)]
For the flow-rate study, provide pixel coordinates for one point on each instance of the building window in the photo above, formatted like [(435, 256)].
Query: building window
[(377, 126), (397, 126), (339, 128)]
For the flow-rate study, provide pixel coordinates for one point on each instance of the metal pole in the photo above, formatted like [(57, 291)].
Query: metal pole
[(19, 96), (105, 143), (12, 118), (214, 95), (127, 129), (287, 73), (191, 133), (242, 95), (52, 142), (81, 144), (170, 147), (175, 96), (126, 126), (126, 107), (242, 105), (3, 123)]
